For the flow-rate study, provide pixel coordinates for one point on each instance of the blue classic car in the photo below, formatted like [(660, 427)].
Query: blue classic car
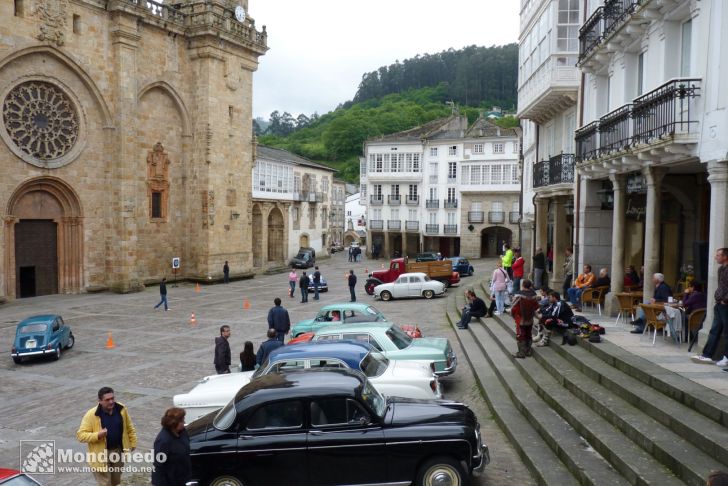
[(41, 336), (462, 266)]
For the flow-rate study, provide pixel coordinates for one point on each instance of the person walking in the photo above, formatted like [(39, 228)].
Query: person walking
[(303, 285), (222, 351), (108, 430), (279, 320), (266, 347), (719, 327), (226, 272), (247, 357), (498, 286), (507, 260), (163, 294), (174, 442), (539, 268), (292, 279), (352, 283), (316, 283)]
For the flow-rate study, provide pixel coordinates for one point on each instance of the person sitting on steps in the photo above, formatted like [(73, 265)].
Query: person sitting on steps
[(476, 308), (557, 317)]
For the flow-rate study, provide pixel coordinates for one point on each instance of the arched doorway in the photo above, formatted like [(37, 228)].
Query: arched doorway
[(303, 241), (43, 239), (492, 240), (275, 235), (257, 236)]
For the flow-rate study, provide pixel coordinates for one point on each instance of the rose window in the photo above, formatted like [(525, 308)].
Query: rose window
[(40, 120)]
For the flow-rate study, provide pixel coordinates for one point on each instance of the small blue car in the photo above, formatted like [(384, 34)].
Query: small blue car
[(462, 266), (43, 335)]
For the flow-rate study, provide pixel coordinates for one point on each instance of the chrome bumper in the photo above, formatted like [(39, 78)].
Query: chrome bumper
[(449, 370), (33, 353), (481, 460)]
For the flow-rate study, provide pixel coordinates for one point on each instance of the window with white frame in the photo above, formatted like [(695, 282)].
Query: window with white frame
[(514, 174), (465, 174), (432, 217), (497, 148), (312, 216), (412, 191), (376, 213), (413, 162), (567, 30), (376, 162), (451, 217), (496, 174), (516, 147), (295, 215), (433, 151), (394, 190), (325, 185), (516, 207), (394, 213), (476, 206), (377, 191), (433, 193), (685, 46), (397, 162), (362, 191), (363, 167), (452, 170), (475, 174), (452, 150), (450, 193), (496, 206), (412, 215), (478, 148), (297, 183)]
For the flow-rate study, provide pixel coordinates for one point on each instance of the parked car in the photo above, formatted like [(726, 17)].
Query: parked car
[(305, 258), (336, 247), (410, 379), (346, 313), (44, 335), (437, 270), (395, 344), (428, 256), (13, 477), (410, 285), (462, 266), (334, 426), (323, 285)]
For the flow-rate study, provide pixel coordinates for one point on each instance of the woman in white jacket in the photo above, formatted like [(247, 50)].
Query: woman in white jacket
[(498, 288)]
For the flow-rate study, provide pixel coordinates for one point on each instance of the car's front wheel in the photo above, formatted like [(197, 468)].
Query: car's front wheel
[(385, 295), (226, 481), (439, 471), (71, 341), (428, 294)]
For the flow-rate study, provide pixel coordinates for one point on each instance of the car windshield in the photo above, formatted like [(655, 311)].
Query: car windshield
[(372, 398), (463, 261), (427, 278), (374, 364), (30, 328), (225, 417), (398, 337)]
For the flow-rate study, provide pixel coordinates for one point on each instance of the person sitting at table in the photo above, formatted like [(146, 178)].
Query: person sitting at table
[(583, 281), (662, 293), (694, 298), (631, 277), (603, 280)]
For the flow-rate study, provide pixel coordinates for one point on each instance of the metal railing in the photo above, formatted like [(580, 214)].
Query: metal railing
[(514, 217), (432, 229), (432, 203), (591, 33), (394, 200), (558, 169), (451, 203), (376, 224), (450, 229), (412, 200), (476, 216), (394, 224), (615, 12), (496, 216), (412, 225), (615, 130), (665, 110), (587, 142), (376, 200)]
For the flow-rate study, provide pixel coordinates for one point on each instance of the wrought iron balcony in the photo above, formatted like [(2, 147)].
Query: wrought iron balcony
[(615, 130), (394, 200), (496, 216), (451, 203), (432, 203), (412, 200), (616, 11), (587, 142), (432, 229), (450, 229), (394, 224), (514, 217), (665, 111), (558, 169), (376, 199), (591, 33), (376, 224), (412, 225), (476, 216)]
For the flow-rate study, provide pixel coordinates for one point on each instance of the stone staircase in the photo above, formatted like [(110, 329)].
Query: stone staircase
[(594, 414)]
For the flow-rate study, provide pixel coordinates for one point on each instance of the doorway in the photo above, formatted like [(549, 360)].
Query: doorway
[(492, 240), (36, 257)]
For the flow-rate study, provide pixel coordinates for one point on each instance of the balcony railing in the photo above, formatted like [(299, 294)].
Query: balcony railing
[(616, 11), (432, 203), (376, 224), (433, 179), (496, 216), (476, 216), (394, 200), (376, 200), (412, 225), (587, 142), (412, 200), (514, 217), (558, 169), (591, 33), (603, 22), (394, 224), (615, 130), (450, 229), (665, 110), (432, 229), (451, 203)]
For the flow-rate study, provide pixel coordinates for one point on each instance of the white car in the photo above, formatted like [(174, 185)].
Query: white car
[(410, 285), (408, 379)]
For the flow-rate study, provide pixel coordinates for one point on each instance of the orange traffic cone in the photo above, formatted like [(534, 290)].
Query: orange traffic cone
[(193, 321), (110, 342), (246, 304), (197, 287)]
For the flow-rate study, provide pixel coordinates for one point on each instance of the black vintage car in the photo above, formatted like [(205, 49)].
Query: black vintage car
[(331, 427)]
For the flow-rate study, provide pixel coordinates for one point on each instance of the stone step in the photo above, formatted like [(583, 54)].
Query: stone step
[(538, 457), (571, 449)]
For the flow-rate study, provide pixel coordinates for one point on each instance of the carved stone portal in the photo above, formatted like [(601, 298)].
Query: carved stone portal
[(158, 182)]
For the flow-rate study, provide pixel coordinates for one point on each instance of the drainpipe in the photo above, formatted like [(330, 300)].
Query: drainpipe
[(577, 202)]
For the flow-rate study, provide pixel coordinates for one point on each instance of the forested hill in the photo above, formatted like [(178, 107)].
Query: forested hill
[(474, 76)]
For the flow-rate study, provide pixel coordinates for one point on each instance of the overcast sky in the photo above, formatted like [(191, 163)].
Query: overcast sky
[(319, 49)]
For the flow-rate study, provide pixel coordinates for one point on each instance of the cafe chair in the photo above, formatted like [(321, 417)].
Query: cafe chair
[(695, 323), (626, 308), (594, 297), (652, 313)]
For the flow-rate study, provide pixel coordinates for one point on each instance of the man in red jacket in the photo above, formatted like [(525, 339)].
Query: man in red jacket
[(523, 311), (517, 268)]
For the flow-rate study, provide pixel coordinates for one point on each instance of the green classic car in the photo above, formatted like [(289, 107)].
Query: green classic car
[(343, 313), (396, 344)]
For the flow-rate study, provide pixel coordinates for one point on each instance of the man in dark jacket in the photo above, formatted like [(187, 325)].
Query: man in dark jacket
[(662, 293), (222, 351), (557, 316), (163, 294), (475, 308), (279, 320), (226, 272), (303, 285), (539, 267), (352, 283), (316, 283), (267, 347)]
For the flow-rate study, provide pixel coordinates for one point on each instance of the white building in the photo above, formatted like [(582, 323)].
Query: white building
[(291, 205), (443, 187), (355, 219)]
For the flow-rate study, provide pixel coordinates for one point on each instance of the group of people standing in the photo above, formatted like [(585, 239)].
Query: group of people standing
[(304, 282)]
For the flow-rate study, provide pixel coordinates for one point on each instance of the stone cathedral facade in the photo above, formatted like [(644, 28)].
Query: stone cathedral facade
[(125, 141)]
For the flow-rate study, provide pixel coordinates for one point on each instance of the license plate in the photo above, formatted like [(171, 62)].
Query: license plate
[(30, 343)]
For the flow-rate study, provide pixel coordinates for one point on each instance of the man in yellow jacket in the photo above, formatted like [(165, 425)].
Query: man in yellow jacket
[(507, 260), (108, 431)]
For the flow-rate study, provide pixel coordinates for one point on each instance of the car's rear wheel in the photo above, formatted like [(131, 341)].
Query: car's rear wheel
[(428, 294), (226, 481), (71, 341), (57, 353), (369, 288), (441, 471), (385, 295), (17, 360)]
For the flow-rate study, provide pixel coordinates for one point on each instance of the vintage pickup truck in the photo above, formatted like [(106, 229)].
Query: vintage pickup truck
[(437, 270)]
